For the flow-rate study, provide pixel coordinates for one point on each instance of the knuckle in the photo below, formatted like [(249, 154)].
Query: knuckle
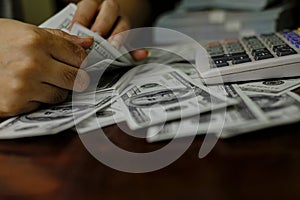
[(18, 88), (126, 22), (70, 77), (78, 52), (34, 38), (57, 32), (82, 19), (10, 108), (113, 4), (124, 27), (29, 63), (81, 54), (28, 67)]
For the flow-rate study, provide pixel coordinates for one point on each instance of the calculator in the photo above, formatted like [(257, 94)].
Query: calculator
[(255, 57)]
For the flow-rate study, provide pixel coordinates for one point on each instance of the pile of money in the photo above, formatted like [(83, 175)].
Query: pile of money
[(163, 95)]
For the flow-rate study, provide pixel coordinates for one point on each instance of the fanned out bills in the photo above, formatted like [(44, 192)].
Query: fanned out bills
[(270, 87), (61, 20), (279, 110), (167, 96), (105, 117), (164, 94), (102, 48), (240, 114), (53, 119), (253, 112)]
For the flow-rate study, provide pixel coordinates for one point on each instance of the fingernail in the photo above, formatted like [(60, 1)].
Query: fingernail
[(116, 41), (148, 53), (82, 81), (86, 41), (86, 37)]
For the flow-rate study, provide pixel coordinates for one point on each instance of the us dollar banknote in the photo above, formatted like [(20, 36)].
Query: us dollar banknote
[(167, 96), (240, 114), (62, 20), (102, 48), (105, 117), (279, 110), (271, 87), (54, 119)]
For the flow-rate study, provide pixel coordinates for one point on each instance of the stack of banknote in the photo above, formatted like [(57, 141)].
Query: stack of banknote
[(163, 95)]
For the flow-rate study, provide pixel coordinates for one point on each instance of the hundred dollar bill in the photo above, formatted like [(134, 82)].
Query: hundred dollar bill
[(271, 87), (279, 110), (104, 117), (53, 119), (113, 113), (107, 75), (245, 112), (102, 48), (171, 95), (188, 69), (62, 20)]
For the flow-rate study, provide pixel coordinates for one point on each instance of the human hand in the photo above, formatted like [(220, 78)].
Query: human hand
[(104, 17), (38, 66)]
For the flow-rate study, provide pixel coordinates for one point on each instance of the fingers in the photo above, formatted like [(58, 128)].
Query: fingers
[(86, 10), (18, 109), (83, 41), (65, 77), (66, 51), (119, 35), (50, 94), (122, 25), (140, 54), (106, 18)]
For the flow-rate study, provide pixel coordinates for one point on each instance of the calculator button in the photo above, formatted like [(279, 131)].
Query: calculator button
[(284, 51), (275, 48), (258, 51), (221, 57), (262, 54), (277, 43), (241, 59), (215, 49), (220, 62), (237, 54), (232, 40), (212, 44), (295, 40), (256, 47), (216, 54), (291, 35)]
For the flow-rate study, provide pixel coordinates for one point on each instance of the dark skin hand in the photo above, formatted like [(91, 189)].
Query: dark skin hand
[(39, 66), (106, 19)]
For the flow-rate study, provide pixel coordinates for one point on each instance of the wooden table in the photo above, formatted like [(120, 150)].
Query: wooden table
[(262, 165)]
